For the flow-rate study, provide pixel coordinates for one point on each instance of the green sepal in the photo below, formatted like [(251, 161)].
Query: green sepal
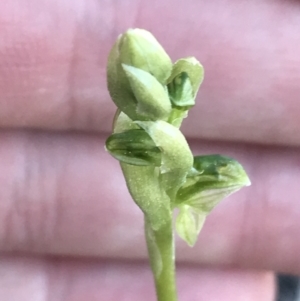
[(146, 190), (189, 224), (134, 147), (177, 158), (153, 102), (143, 183), (118, 84), (139, 48), (211, 179)]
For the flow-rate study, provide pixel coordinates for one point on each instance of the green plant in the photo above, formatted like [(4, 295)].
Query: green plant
[(153, 97)]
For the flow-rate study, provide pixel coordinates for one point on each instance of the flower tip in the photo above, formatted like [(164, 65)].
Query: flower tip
[(247, 181)]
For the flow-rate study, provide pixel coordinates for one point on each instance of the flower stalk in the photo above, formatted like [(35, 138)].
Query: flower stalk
[(153, 96), (161, 250)]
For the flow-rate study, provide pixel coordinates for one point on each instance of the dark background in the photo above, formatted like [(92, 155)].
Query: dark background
[(288, 288)]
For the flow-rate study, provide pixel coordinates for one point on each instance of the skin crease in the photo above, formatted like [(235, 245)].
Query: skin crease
[(59, 199)]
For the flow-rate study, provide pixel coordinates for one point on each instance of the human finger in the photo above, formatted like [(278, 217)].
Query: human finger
[(63, 195), (44, 279), (53, 55)]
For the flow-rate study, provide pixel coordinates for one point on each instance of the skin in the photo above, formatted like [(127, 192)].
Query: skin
[(68, 228)]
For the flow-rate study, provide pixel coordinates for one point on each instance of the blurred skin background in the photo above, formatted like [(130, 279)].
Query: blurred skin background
[(68, 227)]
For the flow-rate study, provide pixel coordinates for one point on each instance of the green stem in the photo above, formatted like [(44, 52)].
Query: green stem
[(161, 251)]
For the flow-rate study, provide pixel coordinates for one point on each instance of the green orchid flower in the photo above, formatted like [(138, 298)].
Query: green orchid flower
[(153, 96)]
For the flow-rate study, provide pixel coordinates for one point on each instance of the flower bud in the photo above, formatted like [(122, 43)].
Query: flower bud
[(134, 147), (138, 48)]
